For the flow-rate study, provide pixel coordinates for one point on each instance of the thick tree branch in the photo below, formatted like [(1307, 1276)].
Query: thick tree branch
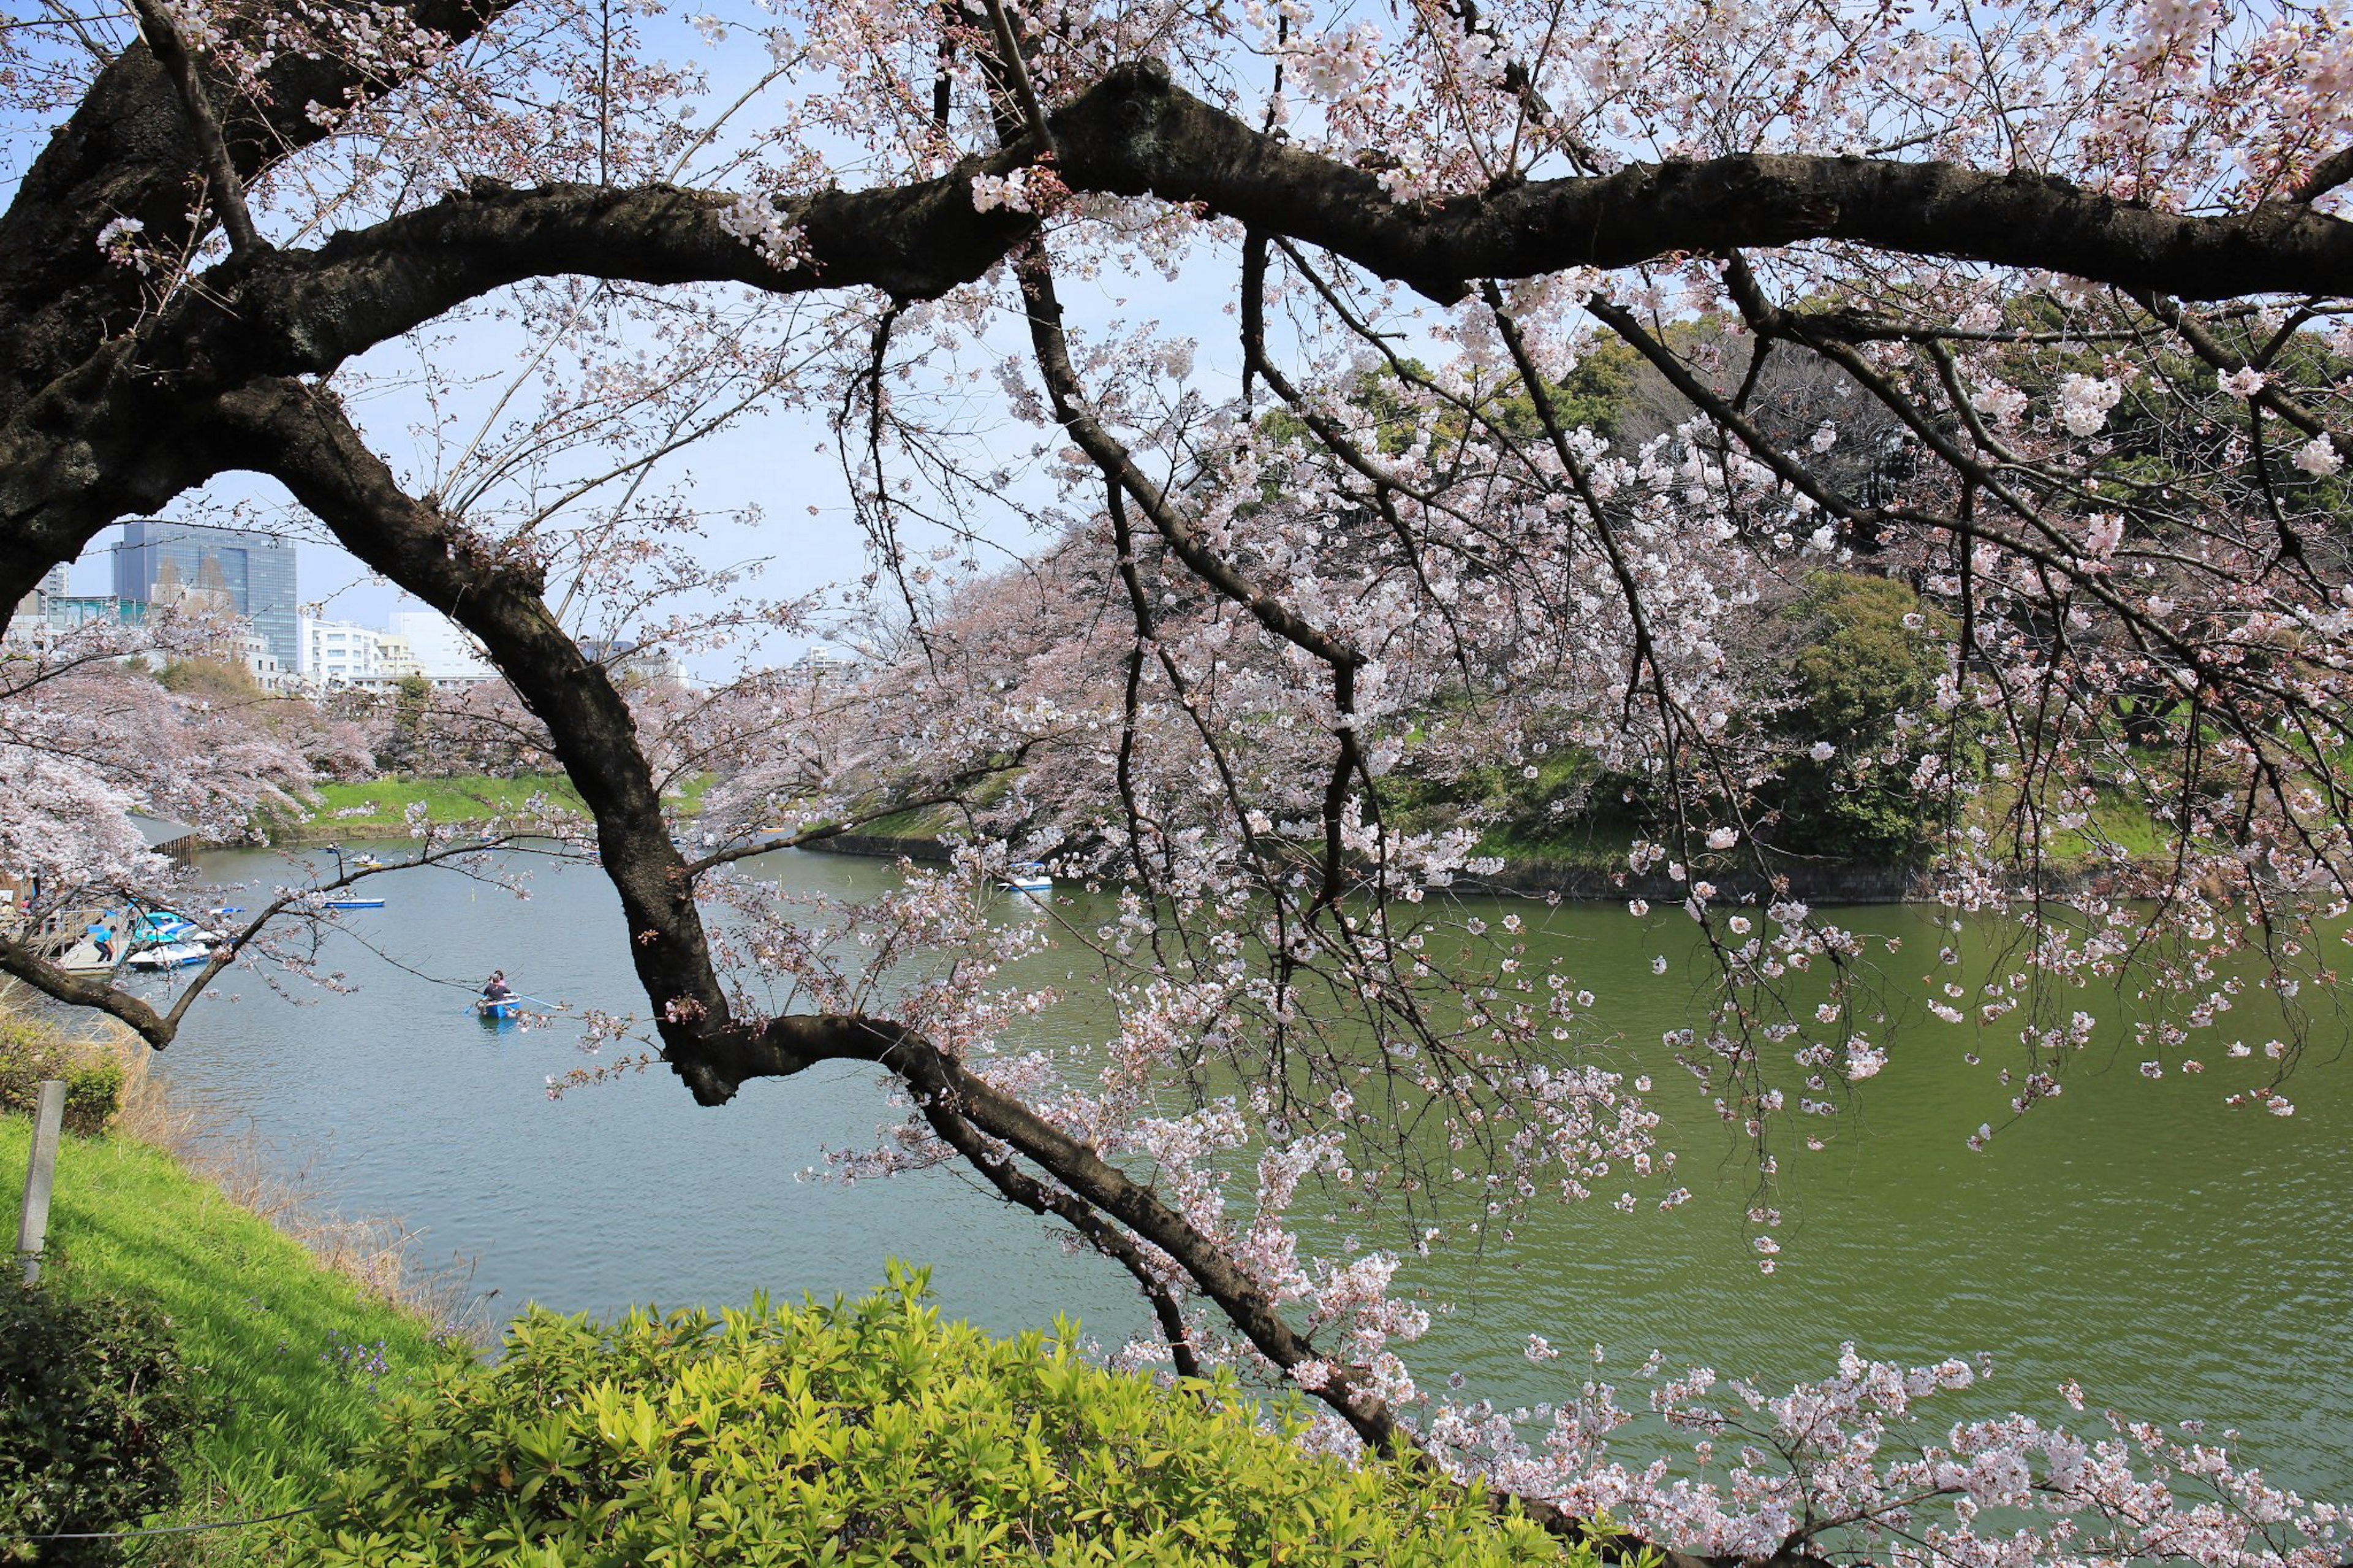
[(25, 965), (126, 153), (300, 436), (996, 1165), (1136, 134)]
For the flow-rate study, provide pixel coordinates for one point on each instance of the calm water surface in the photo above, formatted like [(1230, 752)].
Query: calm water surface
[(2175, 1258)]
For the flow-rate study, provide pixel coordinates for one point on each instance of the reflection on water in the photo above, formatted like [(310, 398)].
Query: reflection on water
[(2175, 1258)]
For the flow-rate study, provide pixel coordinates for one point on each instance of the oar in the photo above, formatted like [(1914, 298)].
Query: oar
[(540, 1000)]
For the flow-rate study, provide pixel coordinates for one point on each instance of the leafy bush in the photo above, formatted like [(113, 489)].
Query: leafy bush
[(1860, 666), (31, 1051), (865, 1432), (94, 1405)]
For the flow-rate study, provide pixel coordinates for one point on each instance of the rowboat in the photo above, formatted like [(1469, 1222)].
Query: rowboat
[(490, 1011)]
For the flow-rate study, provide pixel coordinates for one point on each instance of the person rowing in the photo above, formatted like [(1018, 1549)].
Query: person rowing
[(495, 989)]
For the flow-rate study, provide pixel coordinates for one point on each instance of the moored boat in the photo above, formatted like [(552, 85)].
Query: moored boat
[(169, 955), (160, 926), (1028, 877)]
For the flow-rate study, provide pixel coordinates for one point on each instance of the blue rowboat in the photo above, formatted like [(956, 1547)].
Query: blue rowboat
[(491, 1012), (352, 904)]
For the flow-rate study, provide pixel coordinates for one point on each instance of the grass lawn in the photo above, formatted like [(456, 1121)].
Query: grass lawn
[(383, 802), (290, 1347), (379, 805)]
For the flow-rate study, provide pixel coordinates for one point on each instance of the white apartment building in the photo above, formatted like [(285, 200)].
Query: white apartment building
[(399, 660), (342, 653), (261, 660), (441, 650)]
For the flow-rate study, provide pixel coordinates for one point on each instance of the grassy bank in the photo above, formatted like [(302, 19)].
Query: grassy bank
[(379, 807), (297, 1354)]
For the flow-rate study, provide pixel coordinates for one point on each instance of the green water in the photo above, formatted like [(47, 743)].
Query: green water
[(2175, 1257)]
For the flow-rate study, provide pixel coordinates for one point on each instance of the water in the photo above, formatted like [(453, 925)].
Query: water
[(2175, 1258)]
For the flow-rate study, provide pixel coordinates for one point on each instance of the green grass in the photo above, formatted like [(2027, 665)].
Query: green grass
[(383, 802), (382, 805), (255, 1313), (2116, 819)]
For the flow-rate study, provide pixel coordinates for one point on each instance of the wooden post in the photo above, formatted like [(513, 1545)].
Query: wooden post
[(34, 1223)]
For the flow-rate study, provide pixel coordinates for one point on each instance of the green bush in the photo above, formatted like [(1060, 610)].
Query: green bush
[(865, 1432), (1859, 667), (93, 1097), (31, 1051), (94, 1406)]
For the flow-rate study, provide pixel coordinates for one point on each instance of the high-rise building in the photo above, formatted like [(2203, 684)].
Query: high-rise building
[(227, 569)]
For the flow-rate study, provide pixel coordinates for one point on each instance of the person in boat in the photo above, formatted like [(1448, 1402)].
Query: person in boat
[(495, 989)]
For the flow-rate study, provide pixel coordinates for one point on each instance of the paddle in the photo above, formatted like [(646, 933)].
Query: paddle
[(479, 1002)]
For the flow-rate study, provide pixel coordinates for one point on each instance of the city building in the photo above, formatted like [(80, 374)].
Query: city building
[(823, 663), (223, 569), (262, 662), (343, 653), (626, 657), (64, 611), (440, 650), (399, 659), (31, 618), (42, 617)]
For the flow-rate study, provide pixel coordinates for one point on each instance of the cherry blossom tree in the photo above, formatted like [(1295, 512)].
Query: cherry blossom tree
[(2079, 260)]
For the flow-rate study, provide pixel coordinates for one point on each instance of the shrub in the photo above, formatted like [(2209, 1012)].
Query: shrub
[(1860, 665), (865, 1432), (93, 1097), (31, 1051), (94, 1406)]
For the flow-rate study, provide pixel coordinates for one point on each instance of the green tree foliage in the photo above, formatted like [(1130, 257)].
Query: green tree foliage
[(404, 747), (865, 1432), (95, 1405), (1867, 655)]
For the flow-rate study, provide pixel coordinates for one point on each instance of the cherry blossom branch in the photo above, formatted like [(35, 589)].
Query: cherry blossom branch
[(159, 1029), (947, 793), (995, 1164), (2325, 176), (2268, 394)]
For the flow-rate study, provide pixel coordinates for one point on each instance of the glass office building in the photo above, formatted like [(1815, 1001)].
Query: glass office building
[(250, 575)]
